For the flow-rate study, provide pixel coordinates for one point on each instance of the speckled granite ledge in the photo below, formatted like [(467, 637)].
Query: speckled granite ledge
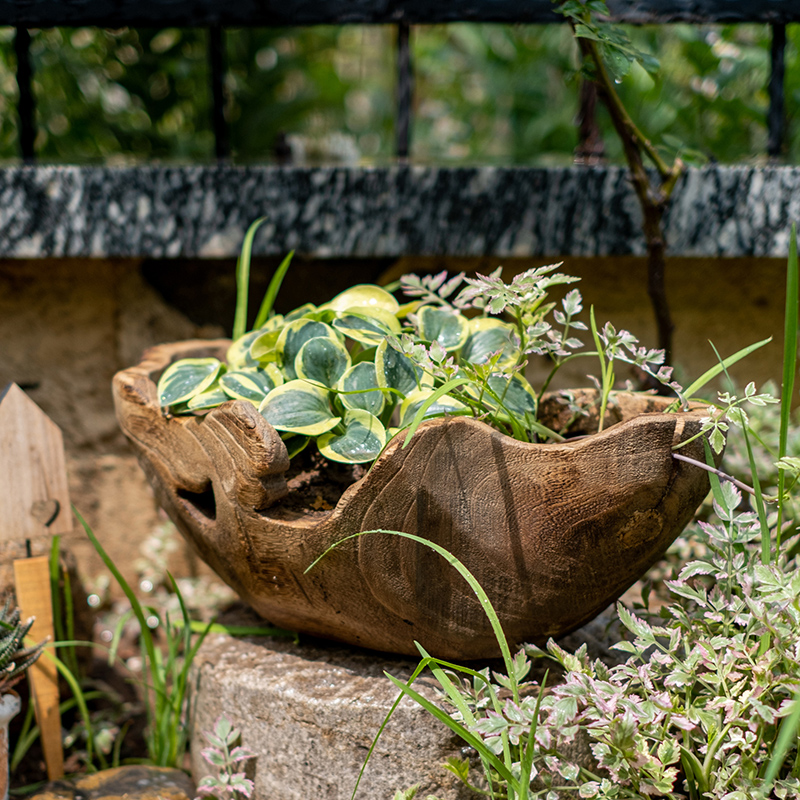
[(172, 212)]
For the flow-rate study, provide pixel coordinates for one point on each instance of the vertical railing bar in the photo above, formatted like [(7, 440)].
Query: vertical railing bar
[(405, 81), (216, 63), (26, 108), (775, 115)]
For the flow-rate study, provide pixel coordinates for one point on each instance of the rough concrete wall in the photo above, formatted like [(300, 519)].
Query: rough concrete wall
[(66, 327)]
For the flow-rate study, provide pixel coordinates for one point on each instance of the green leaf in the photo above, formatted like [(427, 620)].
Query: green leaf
[(322, 359), (263, 348), (367, 325), (448, 328), (365, 296), (712, 373), (487, 336), (363, 439), (295, 443), (486, 606), (272, 291), (186, 378), (243, 280), (790, 338), (789, 730), (253, 385), (359, 388), (300, 312), (437, 404), (299, 407), (515, 394), (294, 336), (395, 370), (210, 398), (238, 355)]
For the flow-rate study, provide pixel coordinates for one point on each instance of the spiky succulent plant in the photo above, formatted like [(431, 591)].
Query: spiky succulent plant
[(15, 657)]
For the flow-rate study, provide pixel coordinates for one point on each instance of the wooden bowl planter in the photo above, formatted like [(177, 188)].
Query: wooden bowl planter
[(553, 532)]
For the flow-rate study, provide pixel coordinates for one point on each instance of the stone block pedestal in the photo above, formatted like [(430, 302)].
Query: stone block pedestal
[(311, 710)]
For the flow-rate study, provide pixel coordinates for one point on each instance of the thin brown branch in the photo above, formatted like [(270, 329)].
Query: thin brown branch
[(718, 472), (653, 198)]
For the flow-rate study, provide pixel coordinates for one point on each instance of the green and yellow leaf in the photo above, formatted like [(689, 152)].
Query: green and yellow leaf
[(238, 355), (210, 398), (442, 325), (395, 370), (359, 388), (295, 443), (252, 385), (323, 360), (362, 440), (300, 312), (367, 325), (516, 396), (366, 297), (486, 336), (299, 407), (294, 336), (186, 378)]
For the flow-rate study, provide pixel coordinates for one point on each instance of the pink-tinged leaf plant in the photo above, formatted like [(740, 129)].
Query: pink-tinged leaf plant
[(704, 702), (228, 758)]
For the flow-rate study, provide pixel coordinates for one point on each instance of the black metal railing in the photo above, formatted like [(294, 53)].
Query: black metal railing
[(215, 16)]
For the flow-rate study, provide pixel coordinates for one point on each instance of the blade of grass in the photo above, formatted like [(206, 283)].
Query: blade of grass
[(243, 280), (181, 681), (483, 599), (414, 676), (80, 700), (272, 291), (526, 765), (452, 692), (790, 324), (459, 730), (429, 401), (716, 486), (766, 547), (761, 510), (153, 656), (712, 373), (790, 730)]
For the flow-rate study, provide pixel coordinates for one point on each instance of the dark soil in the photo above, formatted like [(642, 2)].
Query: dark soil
[(315, 486)]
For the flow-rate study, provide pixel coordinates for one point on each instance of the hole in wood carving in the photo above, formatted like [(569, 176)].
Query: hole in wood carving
[(203, 502)]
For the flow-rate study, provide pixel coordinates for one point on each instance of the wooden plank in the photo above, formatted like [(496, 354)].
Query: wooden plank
[(35, 497), (274, 13), (32, 578)]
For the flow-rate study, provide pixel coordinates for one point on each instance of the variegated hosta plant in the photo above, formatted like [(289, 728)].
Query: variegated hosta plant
[(353, 372)]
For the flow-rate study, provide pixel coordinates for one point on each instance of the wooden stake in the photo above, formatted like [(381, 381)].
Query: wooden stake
[(34, 502), (32, 576)]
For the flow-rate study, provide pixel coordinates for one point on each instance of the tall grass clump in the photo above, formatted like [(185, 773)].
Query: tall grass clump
[(165, 667)]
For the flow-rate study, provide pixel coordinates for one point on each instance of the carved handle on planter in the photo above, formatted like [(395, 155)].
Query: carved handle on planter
[(232, 454)]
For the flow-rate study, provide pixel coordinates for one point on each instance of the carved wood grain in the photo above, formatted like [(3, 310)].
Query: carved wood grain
[(553, 532)]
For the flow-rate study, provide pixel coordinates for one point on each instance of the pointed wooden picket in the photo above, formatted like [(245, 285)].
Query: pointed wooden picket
[(34, 501), (34, 498)]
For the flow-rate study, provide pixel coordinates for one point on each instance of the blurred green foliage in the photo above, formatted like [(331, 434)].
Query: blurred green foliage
[(483, 93)]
